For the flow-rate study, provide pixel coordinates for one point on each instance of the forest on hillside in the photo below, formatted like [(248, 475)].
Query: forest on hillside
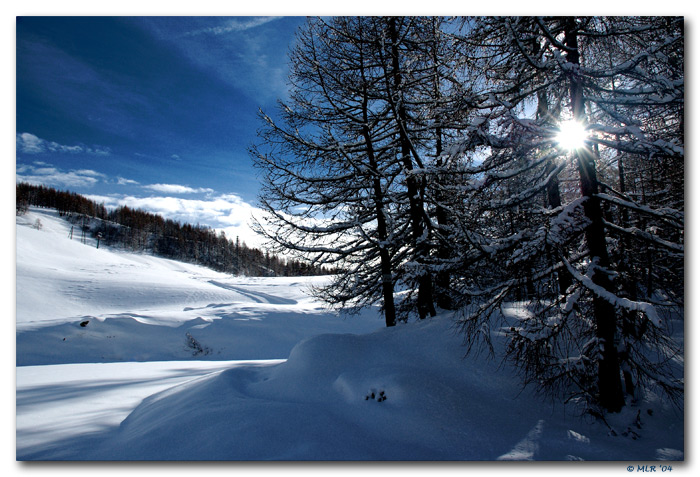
[(140, 231), (431, 160)]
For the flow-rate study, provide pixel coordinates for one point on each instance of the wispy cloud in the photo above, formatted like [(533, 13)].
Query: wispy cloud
[(248, 53), (41, 173), (177, 189), (233, 25), (28, 143), (123, 181)]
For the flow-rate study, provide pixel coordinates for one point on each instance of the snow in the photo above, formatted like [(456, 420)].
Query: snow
[(140, 308), (625, 303), (277, 376)]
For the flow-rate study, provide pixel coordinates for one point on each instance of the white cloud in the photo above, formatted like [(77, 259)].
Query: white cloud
[(89, 172), (222, 212), (177, 189), (123, 181), (29, 143), (41, 173), (226, 212)]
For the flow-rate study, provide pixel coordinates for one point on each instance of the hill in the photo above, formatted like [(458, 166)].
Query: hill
[(140, 231)]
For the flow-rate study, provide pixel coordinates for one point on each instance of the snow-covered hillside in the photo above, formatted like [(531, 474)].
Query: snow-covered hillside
[(126, 356), (80, 304)]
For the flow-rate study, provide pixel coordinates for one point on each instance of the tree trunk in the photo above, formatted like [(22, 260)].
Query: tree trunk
[(553, 195), (444, 250), (382, 229), (382, 235), (417, 212), (610, 393)]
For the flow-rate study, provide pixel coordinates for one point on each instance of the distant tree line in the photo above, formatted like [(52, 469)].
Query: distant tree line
[(136, 230)]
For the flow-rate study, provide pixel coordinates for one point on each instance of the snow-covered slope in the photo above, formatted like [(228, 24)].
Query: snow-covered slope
[(349, 390), (80, 304)]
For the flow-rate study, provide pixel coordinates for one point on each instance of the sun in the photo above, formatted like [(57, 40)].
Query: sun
[(572, 135)]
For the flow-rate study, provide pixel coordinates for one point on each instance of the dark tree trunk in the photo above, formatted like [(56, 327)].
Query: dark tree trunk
[(564, 279), (382, 229), (444, 251), (610, 393), (629, 288), (382, 235), (417, 212), (553, 195)]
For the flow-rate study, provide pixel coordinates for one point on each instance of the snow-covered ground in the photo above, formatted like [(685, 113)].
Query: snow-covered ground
[(127, 356)]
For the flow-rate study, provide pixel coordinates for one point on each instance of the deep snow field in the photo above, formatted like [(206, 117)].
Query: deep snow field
[(124, 356)]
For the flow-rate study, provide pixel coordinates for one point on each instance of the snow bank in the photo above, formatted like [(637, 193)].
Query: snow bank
[(326, 402)]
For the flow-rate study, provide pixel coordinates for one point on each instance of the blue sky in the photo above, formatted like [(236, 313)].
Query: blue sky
[(152, 112)]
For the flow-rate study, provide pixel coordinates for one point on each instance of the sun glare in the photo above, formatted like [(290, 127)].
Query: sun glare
[(572, 135)]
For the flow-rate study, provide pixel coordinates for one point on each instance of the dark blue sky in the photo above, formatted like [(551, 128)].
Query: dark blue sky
[(154, 112)]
